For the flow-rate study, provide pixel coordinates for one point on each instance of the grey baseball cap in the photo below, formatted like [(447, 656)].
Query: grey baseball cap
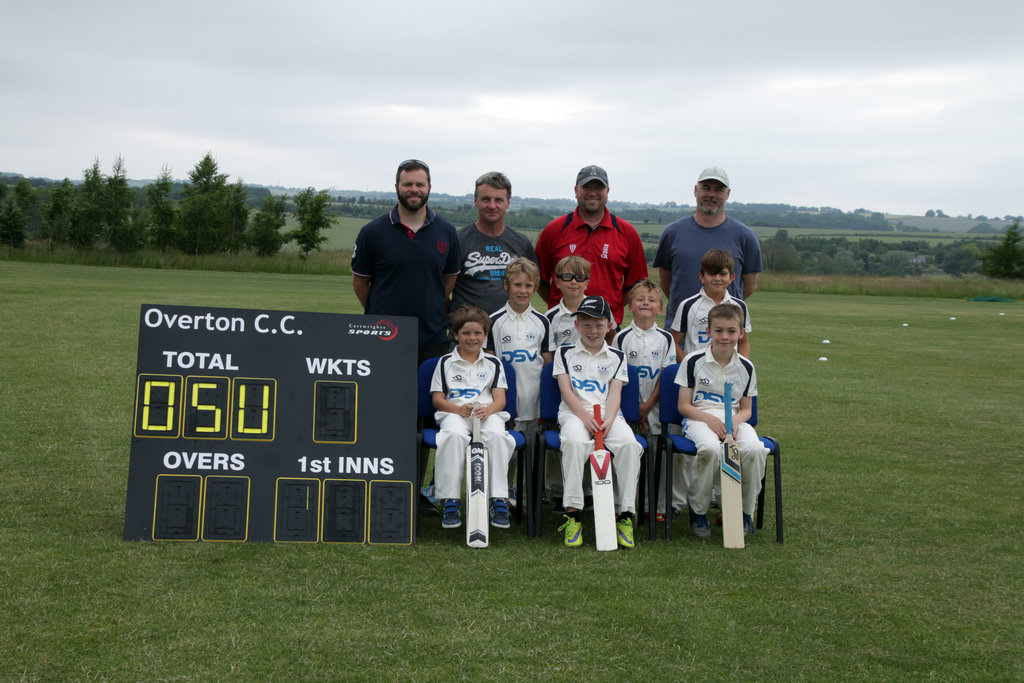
[(714, 173), (588, 173)]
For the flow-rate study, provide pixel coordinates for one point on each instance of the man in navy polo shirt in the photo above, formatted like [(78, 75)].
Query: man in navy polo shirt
[(406, 261)]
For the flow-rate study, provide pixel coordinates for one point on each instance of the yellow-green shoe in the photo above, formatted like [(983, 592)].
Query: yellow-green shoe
[(573, 532), (624, 526)]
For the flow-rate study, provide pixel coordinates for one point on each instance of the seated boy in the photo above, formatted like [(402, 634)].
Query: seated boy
[(466, 383), (702, 376), (588, 373), (650, 349), (689, 322)]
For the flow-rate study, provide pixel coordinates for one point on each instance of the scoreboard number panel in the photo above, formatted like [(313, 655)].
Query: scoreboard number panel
[(281, 426)]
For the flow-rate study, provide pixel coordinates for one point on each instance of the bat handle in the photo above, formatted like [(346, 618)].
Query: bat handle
[(599, 434), (476, 423), (728, 407)]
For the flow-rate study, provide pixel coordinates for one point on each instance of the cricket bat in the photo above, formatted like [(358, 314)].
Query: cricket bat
[(476, 489), (602, 491), (732, 489)]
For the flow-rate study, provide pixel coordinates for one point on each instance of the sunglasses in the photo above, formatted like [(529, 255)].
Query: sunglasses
[(413, 164), (569, 277)]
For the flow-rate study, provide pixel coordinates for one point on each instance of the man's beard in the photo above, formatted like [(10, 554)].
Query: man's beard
[(405, 202)]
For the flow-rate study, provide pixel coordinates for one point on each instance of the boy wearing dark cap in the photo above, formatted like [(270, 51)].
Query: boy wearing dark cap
[(592, 373)]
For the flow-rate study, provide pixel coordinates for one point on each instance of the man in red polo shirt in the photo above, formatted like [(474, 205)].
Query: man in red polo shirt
[(610, 244)]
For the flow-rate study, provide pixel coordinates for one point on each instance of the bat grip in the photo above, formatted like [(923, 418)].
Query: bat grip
[(728, 408), (599, 434)]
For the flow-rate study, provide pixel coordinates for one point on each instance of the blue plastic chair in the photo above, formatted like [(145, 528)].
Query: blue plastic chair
[(670, 444)]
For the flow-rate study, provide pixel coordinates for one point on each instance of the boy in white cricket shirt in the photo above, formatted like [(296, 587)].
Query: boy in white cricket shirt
[(572, 274), (650, 349), (521, 335), (592, 373), (702, 376), (466, 383), (689, 329), (690, 319)]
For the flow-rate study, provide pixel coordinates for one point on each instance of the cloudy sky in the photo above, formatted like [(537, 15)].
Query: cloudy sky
[(897, 105)]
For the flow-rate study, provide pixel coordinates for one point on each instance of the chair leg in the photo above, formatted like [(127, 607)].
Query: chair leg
[(538, 485), (670, 511), (778, 490), (653, 471)]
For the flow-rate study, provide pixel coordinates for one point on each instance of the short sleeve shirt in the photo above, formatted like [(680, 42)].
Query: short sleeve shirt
[(590, 373)]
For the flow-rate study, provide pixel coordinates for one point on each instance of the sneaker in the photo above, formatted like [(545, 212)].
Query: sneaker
[(699, 525), (573, 532), (452, 517), (748, 525), (426, 508), (624, 526), (513, 496), (499, 514)]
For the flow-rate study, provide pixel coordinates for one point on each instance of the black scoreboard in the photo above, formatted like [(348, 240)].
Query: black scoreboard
[(255, 425)]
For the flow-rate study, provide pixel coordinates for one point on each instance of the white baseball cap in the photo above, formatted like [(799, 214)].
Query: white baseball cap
[(714, 173)]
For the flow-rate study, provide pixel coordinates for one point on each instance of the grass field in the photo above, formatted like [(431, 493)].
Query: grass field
[(902, 476)]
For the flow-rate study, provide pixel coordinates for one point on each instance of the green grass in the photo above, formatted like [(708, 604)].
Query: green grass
[(902, 477)]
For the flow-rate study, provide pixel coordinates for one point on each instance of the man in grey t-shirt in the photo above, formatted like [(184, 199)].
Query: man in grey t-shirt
[(685, 241), (488, 245)]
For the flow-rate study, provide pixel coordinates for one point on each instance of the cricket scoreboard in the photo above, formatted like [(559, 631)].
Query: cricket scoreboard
[(258, 425)]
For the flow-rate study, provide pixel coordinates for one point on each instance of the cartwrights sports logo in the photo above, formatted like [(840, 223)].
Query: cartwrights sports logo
[(384, 329)]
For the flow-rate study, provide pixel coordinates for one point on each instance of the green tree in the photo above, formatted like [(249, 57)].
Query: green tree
[(87, 220), (265, 232), (59, 213), (779, 254), (12, 225), (311, 212), (27, 199), (1005, 259), (125, 227), (212, 217), (161, 211)]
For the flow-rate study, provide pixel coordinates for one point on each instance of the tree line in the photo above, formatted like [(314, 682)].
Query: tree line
[(842, 256), (205, 215)]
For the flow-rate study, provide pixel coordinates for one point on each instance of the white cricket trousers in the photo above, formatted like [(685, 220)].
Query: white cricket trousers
[(707, 468), (577, 444), (450, 458)]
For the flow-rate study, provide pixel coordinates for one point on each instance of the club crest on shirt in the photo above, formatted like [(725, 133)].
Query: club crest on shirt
[(482, 375), (603, 369), (531, 336), (442, 247), (572, 248)]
